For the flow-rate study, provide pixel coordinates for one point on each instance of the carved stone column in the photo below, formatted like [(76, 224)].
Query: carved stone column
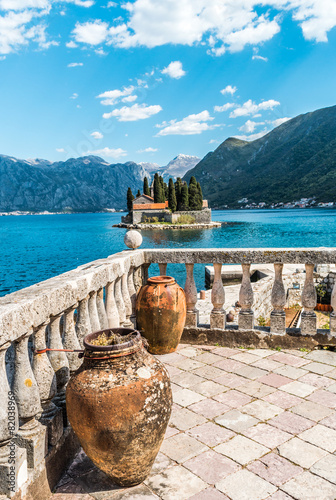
[(10, 454), (31, 434), (71, 340), (93, 313), (278, 315), (52, 417), (144, 270), (120, 302), (309, 297), (132, 295), (111, 306), (127, 301), (246, 316), (217, 315), (137, 278), (163, 269), (83, 325), (101, 309), (59, 362), (333, 313), (191, 297)]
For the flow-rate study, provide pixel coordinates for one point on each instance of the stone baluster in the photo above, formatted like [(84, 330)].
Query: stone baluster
[(59, 362), (333, 313), (308, 299), (163, 269), (137, 278), (101, 309), (191, 297), (217, 315), (31, 434), (52, 417), (132, 295), (144, 270), (246, 316), (10, 454), (111, 306), (278, 299), (127, 301), (120, 302), (83, 325), (71, 340), (93, 312)]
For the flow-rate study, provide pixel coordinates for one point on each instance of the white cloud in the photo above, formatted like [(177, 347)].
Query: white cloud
[(279, 121), (147, 150), (250, 126), (23, 4), (190, 125), (91, 33), (225, 107), (75, 65), (252, 137), (60, 150), (74, 96), (108, 153), (111, 97), (229, 90), (100, 52), (97, 135), (250, 108), (174, 70), (81, 3), (260, 58), (133, 113), (214, 141), (130, 98), (111, 4), (71, 45)]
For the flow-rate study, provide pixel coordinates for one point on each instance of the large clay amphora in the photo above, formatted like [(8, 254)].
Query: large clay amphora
[(161, 313), (118, 404)]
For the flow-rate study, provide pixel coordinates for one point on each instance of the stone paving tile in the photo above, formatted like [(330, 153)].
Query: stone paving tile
[(230, 380), (225, 351), (244, 485), (267, 435), (209, 494), (311, 410), (185, 397), (318, 368), (317, 380), (242, 450), (250, 372), (307, 486), (211, 434), (182, 447), (233, 398), (298, 389), (290, 371), (184, 419), (174, 387), (282, 399), (326, 468), (187, 379), (211, 466), (330, 421), (322, 356), (209, 388), (208, 371), (189, 351), (172, 370), (209, 408), (245, 357), (321, 436), (274, 380), (279, 495), (262, 353), (300, 452), (236, 420), (209, 358), (261, 409), (176, 483), (268, 364), (188, 364), (289, 359), (171, 431), (255, 389), (274, 469), (289, 422), (332, 373), (323, 397), (140, 492), (161, 463), (171, 358), (229, 365), (204, 347), (332, 388)]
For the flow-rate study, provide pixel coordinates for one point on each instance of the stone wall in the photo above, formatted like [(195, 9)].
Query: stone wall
[(200, 216), (138, 215)]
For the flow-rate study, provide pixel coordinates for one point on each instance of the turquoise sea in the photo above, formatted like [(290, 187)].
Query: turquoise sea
[(36, 247)]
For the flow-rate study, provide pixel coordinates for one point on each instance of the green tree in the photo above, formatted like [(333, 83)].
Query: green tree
[(193, 194), (178, 192), (184, 197), (146, 189), (200, 196), (130, 199), (138, 193), (172, 196), (157, 189), (163, 196), (166, 191)]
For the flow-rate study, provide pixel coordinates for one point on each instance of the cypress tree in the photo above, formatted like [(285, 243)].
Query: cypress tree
[(200, 196), (138, 193), (193, 194), (157, 189), (178, 191), (184, 197), (163, 197), (166, 192), (146, 189), (171, 196), (130, 199)]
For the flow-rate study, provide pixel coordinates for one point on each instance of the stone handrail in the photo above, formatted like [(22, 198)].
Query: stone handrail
[(59, 312)]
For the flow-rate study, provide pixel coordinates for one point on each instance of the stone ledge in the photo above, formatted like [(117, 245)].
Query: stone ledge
[(169, 226)]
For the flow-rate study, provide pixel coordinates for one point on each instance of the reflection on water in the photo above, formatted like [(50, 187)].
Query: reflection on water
[(34, 248)]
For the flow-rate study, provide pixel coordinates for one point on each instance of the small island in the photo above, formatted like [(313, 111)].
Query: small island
[(168, 206)]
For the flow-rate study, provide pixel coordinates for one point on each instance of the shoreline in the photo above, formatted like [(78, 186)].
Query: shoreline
[(169, 226)]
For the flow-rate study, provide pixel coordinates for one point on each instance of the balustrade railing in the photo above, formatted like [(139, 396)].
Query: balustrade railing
[(58, 313)]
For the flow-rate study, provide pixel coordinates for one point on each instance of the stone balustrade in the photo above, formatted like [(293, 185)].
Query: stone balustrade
[(59, 312)]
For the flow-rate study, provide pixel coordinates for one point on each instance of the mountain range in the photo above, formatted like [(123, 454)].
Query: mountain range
[(295, 160)]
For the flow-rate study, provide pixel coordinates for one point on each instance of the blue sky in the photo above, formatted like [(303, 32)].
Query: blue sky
[(146, 80)]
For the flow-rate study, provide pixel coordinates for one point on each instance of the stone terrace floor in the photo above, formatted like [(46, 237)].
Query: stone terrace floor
[(246, 425)]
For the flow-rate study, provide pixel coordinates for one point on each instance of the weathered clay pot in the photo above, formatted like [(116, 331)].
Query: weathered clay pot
[(118, 404), (161, 313)]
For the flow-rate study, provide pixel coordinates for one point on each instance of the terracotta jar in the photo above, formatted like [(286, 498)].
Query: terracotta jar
[(161, 313), (119, 404)]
